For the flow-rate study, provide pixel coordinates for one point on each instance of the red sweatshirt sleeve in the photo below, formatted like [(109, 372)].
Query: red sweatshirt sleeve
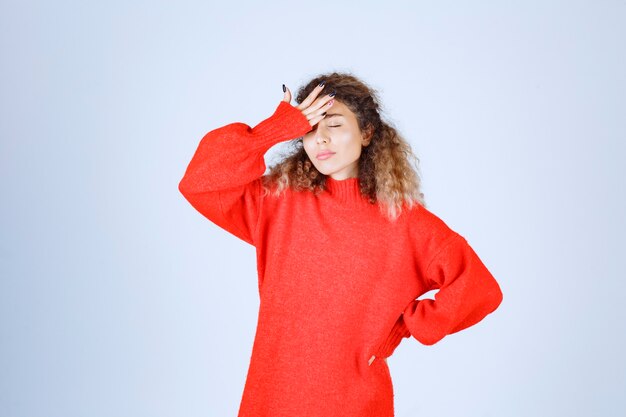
[(467, 293), (397, 333), (223, 179)]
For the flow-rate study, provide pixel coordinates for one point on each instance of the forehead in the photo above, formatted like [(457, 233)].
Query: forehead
[(339, 109)]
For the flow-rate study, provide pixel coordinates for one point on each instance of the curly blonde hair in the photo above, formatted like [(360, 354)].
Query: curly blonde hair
[(386, 174)]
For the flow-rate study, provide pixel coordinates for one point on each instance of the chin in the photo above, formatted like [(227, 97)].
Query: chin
[(325, 171), (319, 168)]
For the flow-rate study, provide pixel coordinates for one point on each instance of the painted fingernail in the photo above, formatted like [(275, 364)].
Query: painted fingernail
[(322, 83), (332, 94), (324, 114), (284, 88)]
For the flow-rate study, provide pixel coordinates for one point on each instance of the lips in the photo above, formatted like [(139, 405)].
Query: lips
[(324, 155)]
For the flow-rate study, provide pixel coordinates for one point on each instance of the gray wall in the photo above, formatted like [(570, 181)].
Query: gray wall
[(118, 299)]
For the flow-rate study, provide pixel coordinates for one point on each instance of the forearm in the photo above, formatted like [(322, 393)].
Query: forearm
[(233, 155)]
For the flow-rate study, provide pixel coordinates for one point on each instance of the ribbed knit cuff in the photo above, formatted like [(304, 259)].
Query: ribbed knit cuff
[(398, 332), (286, 123)]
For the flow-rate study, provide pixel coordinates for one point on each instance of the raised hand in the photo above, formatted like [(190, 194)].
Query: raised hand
[(312, 107)]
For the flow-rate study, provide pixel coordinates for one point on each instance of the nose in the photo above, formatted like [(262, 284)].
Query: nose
[(321, 135)]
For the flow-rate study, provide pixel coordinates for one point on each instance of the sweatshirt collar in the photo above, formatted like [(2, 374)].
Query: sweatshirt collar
[(346, 191)]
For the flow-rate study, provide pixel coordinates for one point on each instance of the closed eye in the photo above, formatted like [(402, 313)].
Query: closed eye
[(335, 126)]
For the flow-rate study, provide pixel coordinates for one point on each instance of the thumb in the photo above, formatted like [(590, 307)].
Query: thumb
[(287, 96)]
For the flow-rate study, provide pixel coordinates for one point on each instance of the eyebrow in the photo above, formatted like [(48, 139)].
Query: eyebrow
[(329, 115)]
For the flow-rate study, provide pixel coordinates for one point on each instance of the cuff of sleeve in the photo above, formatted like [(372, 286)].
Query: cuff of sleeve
[(398, 332), (286, 123)]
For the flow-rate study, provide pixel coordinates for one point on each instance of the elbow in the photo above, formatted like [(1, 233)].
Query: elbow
[(491, 293), (496, 296), (429, 336), (186, 189), (429, 340), (185, 186), (182, 187)]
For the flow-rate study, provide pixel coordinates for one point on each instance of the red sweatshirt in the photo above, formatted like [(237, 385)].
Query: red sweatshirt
[(338, 282)]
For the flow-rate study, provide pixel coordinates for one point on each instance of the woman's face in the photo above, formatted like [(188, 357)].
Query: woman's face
[(338, 133)]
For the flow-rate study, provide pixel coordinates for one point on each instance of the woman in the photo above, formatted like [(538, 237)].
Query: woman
[(345, 246)]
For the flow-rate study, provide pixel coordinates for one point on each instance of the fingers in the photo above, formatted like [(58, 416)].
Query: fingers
[(314, 118), (287, 95), (312, 95), (372, 360), (319, 106), (312, 107), (317, 111)]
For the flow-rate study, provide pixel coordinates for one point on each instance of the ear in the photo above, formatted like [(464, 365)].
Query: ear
[(367, 135)]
